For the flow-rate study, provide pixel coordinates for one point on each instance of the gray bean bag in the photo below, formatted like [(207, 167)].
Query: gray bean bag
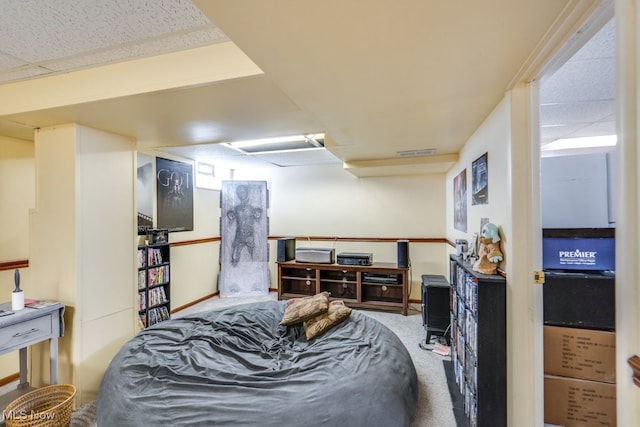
[(239, 367)]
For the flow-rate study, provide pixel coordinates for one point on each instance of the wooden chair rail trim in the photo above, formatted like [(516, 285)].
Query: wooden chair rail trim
[(331, 239), (195, 241), (9, 379), (12, 265), (194, 302)]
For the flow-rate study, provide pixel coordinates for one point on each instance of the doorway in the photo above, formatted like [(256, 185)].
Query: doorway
[(577, 102)]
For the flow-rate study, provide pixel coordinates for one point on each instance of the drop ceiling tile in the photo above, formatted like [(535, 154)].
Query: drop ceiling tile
[(580, 81), (68, 27), (216, 154), (580, 112), (203, 152), (578, 130), (551, 133), (319, 156), (595, 129), (8, 62), (601, 45), (243, 162), (147, 48), (22, 73)]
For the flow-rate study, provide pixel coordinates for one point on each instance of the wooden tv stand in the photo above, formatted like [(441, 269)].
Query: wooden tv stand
[(381, 286)]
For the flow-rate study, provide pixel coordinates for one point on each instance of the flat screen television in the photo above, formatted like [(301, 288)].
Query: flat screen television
[(578, 249)]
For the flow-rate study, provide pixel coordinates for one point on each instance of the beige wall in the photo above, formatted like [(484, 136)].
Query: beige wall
[(322, 200), (506, 135), (492, 137), (327, 201), (194, 267), (81, 250), (17, 193)]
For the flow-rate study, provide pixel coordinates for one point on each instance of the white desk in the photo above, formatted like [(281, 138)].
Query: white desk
[(30, 326)]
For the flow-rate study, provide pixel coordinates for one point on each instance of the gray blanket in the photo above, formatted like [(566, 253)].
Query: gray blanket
[(238, 367)]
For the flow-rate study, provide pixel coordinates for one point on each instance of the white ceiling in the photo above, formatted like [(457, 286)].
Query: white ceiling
[(578, 100), (376, 77)]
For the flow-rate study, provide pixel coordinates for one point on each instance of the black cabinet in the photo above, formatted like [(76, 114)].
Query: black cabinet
[(435, 306), (479, 343), (579, 300)]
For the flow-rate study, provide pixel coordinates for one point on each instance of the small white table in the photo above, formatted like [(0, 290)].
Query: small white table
[(30, 326)]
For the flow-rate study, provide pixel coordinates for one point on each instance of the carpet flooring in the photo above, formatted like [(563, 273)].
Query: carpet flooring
[(436, 407), (457, 401)]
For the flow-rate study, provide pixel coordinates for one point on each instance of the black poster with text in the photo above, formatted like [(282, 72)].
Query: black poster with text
[(174, 187)]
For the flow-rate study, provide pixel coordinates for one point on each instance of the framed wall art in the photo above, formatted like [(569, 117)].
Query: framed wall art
[(174, 188), (460, 201), (480, 181)]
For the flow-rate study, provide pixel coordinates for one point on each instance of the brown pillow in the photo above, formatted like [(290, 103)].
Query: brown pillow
[(300, 309), (320, 324)]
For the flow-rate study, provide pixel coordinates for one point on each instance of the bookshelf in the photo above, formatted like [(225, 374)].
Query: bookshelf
[(154, 283), (479, 343)]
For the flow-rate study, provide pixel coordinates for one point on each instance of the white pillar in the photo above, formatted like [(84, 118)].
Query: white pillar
[(524, 298), (82, 248), (628, 197)]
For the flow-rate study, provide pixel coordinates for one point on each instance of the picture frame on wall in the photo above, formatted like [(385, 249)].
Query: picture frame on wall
[(460, 201), (174, 189), (480, 180)]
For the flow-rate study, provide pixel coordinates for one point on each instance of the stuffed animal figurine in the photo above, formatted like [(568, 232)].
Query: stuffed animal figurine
[(489, 254)]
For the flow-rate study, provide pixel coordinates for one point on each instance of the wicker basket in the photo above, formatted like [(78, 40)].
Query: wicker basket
[(49, 406)]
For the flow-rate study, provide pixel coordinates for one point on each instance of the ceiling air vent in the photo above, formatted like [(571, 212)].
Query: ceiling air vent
[(416, 153)]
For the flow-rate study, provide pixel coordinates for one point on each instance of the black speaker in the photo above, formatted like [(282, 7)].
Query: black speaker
[(286, 249), (403, 253), (435, 306)]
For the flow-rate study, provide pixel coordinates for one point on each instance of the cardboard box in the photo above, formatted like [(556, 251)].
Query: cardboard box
[(573, 402), (580, 353)]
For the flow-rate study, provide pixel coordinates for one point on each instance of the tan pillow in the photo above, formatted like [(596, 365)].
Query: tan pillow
[(300, 309), (320, 324)]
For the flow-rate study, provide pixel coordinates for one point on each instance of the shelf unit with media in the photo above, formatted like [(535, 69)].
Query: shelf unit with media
[(382, 286), (479, 342), (154, 283)]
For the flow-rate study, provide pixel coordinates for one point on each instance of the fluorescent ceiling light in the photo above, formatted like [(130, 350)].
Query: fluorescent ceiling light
[(586, 142), (295, 142)]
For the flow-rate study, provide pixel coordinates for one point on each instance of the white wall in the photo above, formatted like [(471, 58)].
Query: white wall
[(492, 137), (506, 136), (327, 201)]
